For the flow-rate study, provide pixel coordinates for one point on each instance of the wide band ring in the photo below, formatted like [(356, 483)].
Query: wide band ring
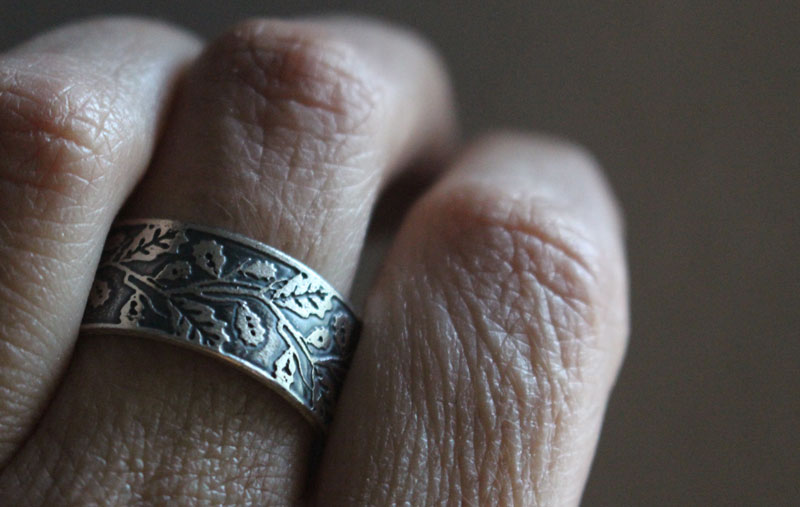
[(231, 297)]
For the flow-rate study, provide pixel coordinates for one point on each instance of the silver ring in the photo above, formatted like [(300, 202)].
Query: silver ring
[(231, 297)]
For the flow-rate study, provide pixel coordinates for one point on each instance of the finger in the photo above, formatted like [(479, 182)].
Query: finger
[(302, 123), (491, 339), (282, 132), (79, 109)]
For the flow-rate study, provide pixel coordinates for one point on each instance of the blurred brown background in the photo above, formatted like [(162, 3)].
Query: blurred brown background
[(694, 109)]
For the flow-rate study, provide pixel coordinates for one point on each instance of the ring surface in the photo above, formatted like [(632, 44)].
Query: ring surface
[(231, 297)]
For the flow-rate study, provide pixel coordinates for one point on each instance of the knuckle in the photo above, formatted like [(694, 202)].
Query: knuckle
[(318, 82), (534, 273), (55, 130), (304, 110)]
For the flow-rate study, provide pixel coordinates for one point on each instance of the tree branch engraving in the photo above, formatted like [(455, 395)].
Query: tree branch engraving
[(219, 294)]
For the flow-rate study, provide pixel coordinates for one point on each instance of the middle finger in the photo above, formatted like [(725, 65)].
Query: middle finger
[(283, 132)]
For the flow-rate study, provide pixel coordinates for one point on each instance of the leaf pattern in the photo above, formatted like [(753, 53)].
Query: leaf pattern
[(285, 367), (153, 241), (176, 270), (132, 310), (283, 320), (249, 325), (208, 256), (319, 338), (261, 270), (197, 322), (304, 296)]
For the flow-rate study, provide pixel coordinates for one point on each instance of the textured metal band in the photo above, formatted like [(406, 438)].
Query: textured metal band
[(229, 296)]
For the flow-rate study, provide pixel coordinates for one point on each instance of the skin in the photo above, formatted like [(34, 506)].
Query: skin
[(493, 329)]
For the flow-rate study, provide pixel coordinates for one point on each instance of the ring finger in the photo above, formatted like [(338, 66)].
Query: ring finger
[(283, 132)]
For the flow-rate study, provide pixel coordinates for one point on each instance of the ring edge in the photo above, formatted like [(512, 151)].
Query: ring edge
[(237, 362)]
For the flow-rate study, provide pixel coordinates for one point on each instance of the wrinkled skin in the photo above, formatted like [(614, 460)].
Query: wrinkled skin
[(493, 329)]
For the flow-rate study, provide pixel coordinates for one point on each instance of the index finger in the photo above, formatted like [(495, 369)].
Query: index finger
[(79, 111)]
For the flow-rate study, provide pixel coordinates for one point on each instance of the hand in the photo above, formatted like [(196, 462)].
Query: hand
[(492, 334)]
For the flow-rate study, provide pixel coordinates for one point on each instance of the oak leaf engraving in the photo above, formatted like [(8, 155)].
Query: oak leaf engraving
[(197, 322), (208, 256), (131, 311), (152, 241), (260, 269), (248, 324), (285, 367), (304, 296), (176, 270), (319, 338)]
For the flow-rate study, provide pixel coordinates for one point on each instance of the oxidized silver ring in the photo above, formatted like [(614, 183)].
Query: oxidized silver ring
[(231, 297)]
